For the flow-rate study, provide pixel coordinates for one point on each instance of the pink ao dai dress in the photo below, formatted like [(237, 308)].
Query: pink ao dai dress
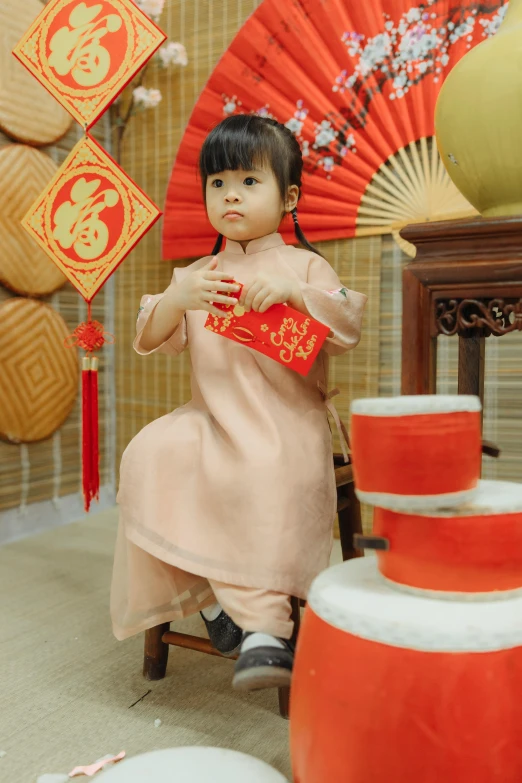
[(237, 485)]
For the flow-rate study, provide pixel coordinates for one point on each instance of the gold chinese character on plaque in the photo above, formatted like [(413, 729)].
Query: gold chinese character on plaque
[(90, 217), (85, 53)]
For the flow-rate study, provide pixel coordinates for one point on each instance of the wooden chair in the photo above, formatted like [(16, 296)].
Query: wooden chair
[(158, 639)]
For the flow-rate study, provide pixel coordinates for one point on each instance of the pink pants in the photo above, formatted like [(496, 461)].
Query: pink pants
[(256, 610)]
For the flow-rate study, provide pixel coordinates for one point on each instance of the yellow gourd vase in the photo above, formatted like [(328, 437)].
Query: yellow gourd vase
[(478, 120)]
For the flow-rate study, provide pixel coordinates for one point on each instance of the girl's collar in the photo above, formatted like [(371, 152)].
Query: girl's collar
[(255, 246)]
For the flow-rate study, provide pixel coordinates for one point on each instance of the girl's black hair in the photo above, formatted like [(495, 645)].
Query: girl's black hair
[(245, 141)]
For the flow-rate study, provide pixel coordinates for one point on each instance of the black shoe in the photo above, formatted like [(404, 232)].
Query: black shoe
[(225, 636), (264, 667)]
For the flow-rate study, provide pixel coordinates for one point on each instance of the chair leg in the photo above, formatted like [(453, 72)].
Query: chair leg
[(284, 703), (350, 521), (284, 693), (156, 653)]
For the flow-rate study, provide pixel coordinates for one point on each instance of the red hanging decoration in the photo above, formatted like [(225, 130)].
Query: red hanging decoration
[(91, 214), (90, 465), (95, 450), (90, 336), (90, 442), (90, 445), (88, 220)]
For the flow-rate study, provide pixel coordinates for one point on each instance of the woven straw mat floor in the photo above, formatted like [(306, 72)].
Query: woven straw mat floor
[(68, 687)]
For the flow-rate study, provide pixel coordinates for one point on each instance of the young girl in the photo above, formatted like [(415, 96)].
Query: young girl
[(227, 504)]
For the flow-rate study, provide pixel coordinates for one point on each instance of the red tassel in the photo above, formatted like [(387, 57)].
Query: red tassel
[(90, 442), (90, 336), (95, 450), (86, 432)]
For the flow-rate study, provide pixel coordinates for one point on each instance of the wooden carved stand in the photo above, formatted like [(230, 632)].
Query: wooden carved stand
[(466, 280)]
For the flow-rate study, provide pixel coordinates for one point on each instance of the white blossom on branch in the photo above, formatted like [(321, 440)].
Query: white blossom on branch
[(153, 8), (146, 98), (173, 53), (141, 97)]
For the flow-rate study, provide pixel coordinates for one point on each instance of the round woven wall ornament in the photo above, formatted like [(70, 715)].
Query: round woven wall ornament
[(39, 375), (28, 112), (24, 267)]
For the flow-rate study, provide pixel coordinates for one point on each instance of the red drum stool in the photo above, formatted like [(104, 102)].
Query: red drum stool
[(474, 551), (414, 452), (391, 687)]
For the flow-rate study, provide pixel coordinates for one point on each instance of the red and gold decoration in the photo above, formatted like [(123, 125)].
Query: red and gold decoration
[(85, 53), (357, 83), (91, 214), (282, 333), (90, 217)]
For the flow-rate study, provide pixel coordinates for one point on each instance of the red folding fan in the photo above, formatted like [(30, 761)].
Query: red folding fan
[(357, 83)]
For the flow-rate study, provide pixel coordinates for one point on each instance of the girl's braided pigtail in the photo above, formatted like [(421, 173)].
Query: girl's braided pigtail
[(300, 236), (218, 245)]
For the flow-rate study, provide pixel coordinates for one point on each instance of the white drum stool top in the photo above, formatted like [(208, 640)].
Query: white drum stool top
[(355, 598), (192, 765)]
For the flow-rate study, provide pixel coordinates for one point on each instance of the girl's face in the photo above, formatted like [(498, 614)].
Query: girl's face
[(246, 205)]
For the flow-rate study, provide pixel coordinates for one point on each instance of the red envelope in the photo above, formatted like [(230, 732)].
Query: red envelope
[(282, 333)]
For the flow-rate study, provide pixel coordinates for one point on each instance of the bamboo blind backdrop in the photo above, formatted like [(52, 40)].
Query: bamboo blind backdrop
[(51, 469)]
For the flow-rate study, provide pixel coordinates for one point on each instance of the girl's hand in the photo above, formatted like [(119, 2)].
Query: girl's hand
[(265, 291), (199, 290)]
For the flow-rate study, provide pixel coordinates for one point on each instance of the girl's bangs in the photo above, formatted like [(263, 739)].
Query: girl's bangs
[(230, 149)]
